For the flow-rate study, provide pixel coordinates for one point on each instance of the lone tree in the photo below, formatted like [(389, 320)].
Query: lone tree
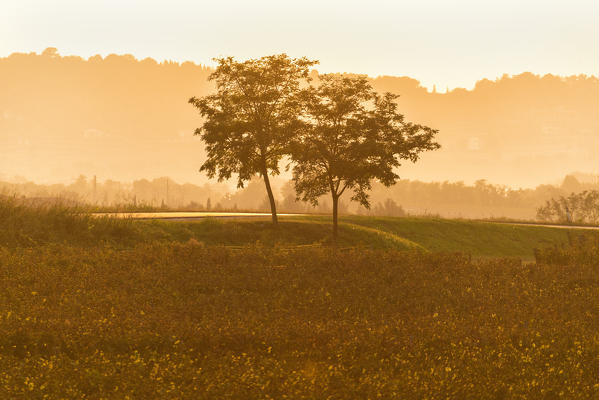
[(251, 118), (351, 136)]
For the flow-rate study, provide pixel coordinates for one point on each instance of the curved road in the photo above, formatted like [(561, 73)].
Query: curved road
[(188, 215), (591, 228)]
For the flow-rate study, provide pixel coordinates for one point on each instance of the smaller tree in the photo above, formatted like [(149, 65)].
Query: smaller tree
[(352, 136)]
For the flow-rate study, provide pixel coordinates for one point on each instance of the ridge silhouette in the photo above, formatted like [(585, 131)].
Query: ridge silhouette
[(123, 118)]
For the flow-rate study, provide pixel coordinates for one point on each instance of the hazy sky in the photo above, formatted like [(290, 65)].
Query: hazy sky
[(442, 42)]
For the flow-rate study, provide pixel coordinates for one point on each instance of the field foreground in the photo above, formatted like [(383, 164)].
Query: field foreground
[(189, 321), (114, 309)]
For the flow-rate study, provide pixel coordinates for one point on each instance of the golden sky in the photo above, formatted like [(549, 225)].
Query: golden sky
[(441, 42)]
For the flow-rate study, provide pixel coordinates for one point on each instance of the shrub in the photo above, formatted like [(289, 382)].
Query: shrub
[(23, 224)]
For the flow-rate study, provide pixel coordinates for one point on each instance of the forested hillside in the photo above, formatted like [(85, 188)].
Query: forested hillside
[(124, 119)]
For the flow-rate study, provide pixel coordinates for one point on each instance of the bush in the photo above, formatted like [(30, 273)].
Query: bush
[(577, 208), (23, 224), (581, 250)]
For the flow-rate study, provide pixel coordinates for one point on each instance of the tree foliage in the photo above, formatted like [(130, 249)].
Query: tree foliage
[(580, 207), (251, 118), (351, 136)]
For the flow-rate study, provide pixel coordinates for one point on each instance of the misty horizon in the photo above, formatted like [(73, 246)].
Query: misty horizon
[(97, 138)]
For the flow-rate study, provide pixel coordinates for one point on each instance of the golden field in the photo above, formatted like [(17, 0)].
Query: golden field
[(173, 320)]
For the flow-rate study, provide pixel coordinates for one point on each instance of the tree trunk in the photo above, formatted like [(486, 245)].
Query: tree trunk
[(335, 209), (271, 198)]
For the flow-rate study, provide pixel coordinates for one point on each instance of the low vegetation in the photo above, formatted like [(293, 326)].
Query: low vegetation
[(579, 208), (169, 315), (579, 250), (26, 225)]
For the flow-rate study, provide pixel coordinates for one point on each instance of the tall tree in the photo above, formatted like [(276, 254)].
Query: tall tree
[(350, 137), (251, 118)]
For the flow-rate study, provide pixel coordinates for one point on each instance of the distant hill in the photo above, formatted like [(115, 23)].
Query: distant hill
[(122, 118)]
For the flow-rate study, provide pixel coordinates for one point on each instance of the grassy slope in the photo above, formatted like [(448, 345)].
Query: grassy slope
[(25, 226), (481, 239), (237, 232), (474, 237)]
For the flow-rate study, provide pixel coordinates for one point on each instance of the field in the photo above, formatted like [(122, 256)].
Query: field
[(102, 308)]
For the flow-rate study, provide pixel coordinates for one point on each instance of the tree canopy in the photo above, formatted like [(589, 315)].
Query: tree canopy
[(351, 136), (582, 207), (252, 117)]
